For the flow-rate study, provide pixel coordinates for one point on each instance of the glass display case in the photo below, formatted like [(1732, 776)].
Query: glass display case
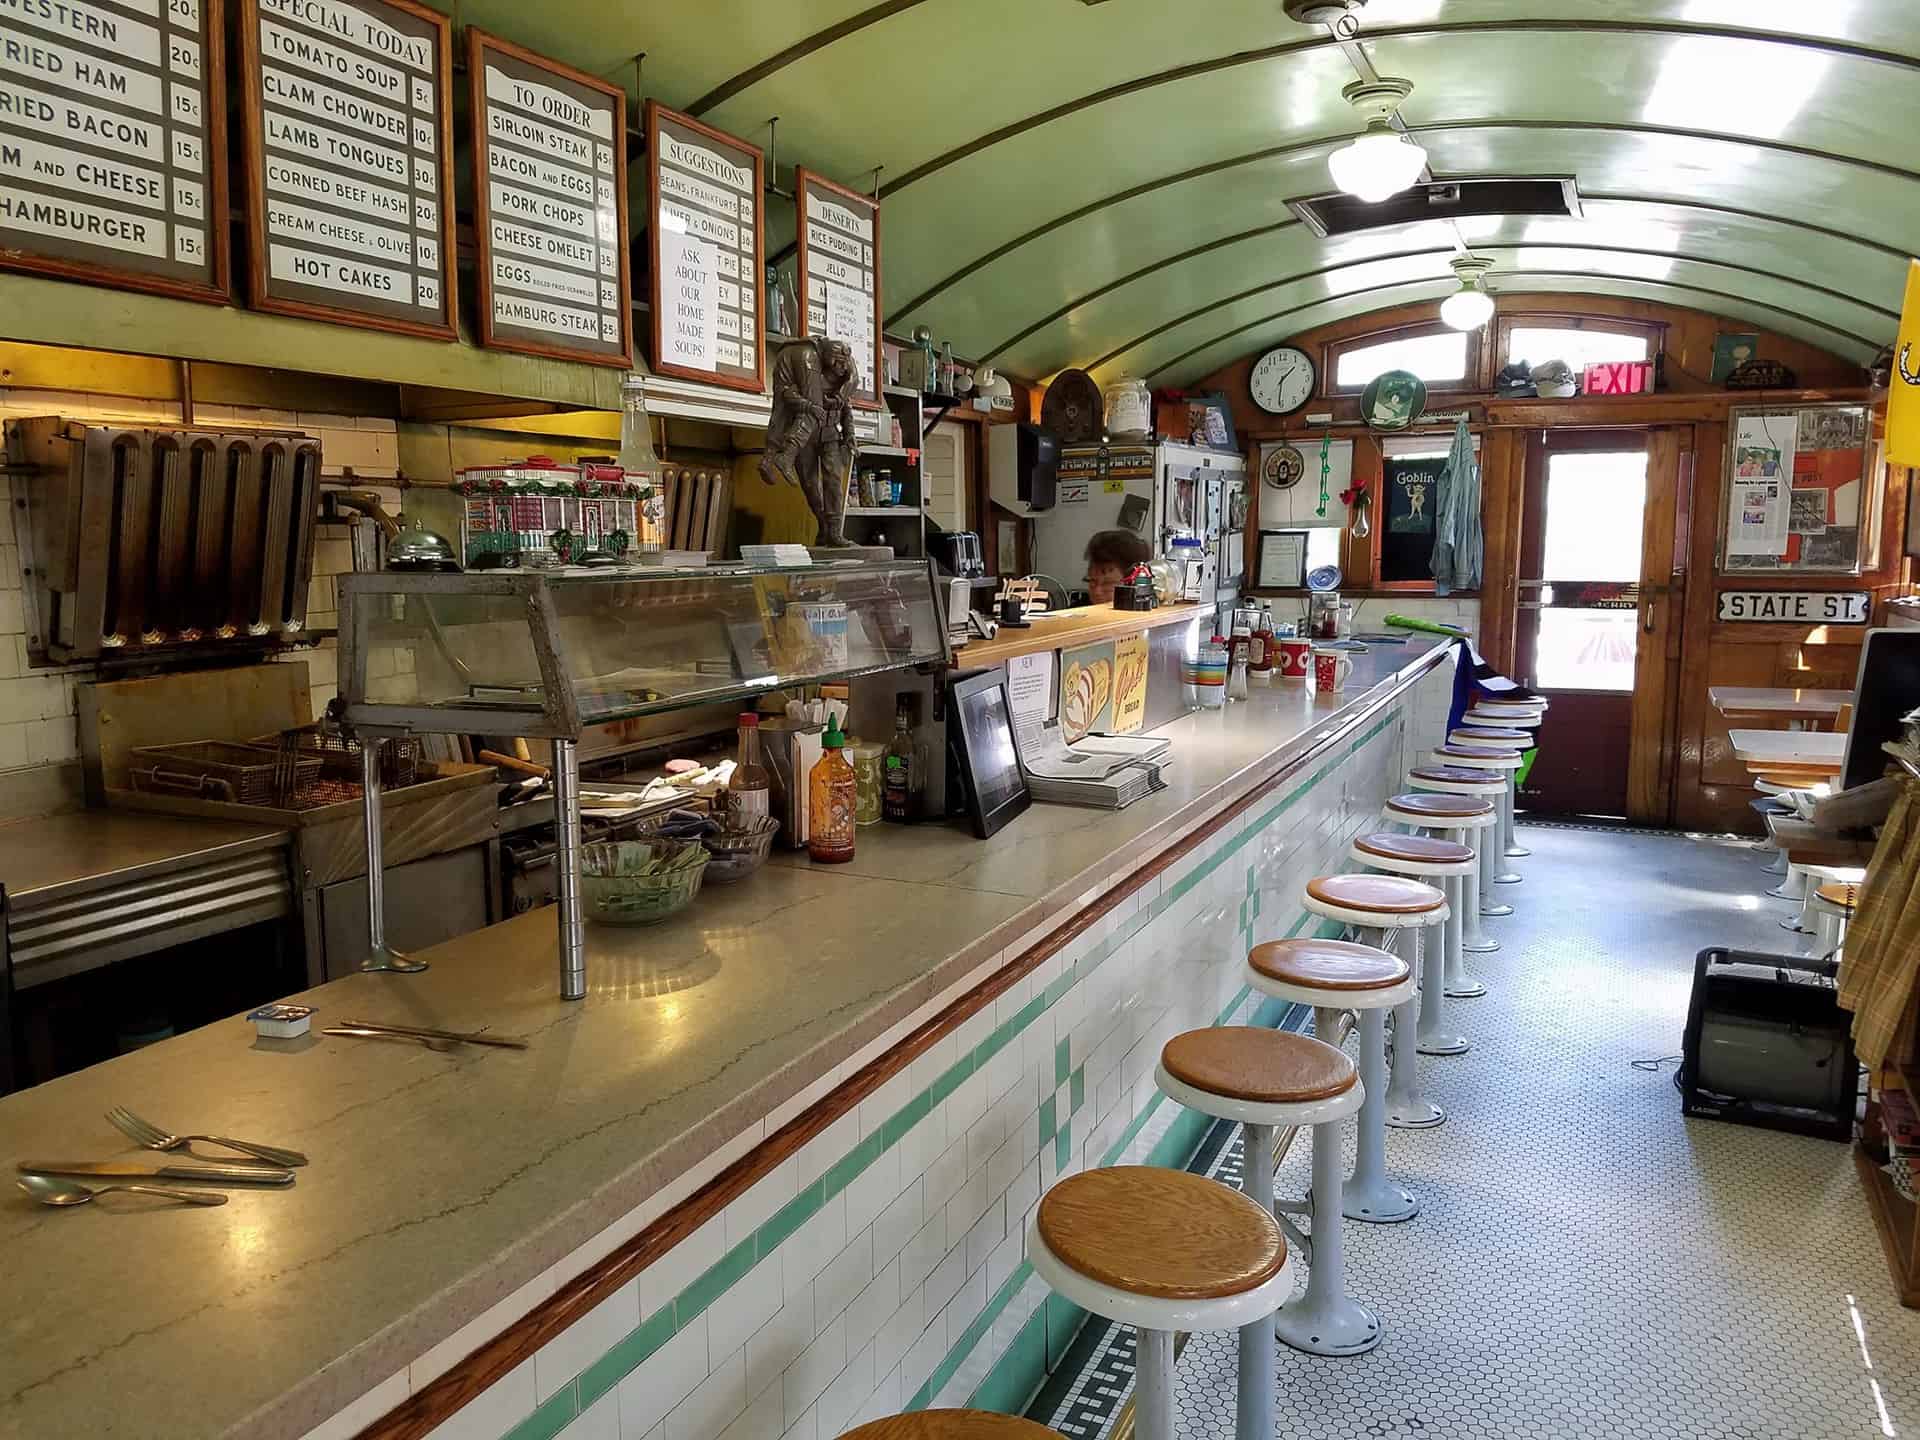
[(547, 654)]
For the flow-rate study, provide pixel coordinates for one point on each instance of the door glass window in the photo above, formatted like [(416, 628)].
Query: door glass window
[(1596, 504)]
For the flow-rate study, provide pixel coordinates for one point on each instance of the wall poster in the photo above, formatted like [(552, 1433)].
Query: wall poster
[(1086, 690), (1796, 491), (837, 233), (550, 206), (113, 144), (350, 162), (706, 248)]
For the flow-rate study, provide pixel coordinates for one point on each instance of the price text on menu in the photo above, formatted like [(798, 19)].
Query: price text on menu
[(550, 201), (705, 244), (839, 244), (113, 143), (347, 128)]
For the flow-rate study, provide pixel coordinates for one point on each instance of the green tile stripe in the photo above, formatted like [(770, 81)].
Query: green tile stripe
[(627, 1354)]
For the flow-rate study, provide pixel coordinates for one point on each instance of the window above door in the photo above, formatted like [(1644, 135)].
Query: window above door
[(1444, 358)]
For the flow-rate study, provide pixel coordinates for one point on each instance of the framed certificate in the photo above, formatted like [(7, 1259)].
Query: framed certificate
[(1283, 560)]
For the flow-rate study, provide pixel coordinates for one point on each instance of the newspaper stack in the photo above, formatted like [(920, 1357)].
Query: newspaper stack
[(1105, 772)]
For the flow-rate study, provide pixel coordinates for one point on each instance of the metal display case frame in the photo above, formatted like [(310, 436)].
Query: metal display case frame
[(558, 715)]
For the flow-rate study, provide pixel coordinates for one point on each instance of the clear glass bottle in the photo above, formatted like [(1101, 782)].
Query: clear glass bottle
[(1237, 652), (750, 791), (900, 773), (949, 380), (832, 799)]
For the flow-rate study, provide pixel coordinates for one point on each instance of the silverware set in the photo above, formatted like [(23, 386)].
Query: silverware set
[(440, 1040), (52, 1182)]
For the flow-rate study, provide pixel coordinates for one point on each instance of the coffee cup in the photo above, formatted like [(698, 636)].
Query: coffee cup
[(1330, 671), (1293, 659)]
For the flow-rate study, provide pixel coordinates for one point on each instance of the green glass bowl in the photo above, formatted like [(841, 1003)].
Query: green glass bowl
[(640, 882)]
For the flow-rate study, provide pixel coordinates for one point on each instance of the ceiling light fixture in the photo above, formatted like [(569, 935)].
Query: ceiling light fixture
[(1469, 307), (1382, 162)]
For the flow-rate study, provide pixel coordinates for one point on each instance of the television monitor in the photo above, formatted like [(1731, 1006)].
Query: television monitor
[(1887, 688)]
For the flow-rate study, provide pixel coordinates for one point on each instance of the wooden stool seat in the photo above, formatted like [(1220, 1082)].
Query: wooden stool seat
[(1160, 1233), (1376, 894), (1329, 965), (1844, 893), (1440, 806), (1454, 775), (951, 1425), (1246, 1062), (1424, 849)]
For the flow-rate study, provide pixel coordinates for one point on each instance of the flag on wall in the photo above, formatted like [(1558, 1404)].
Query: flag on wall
[(1903, 410)]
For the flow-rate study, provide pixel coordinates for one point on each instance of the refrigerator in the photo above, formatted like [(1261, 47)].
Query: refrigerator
[(1159, 492)]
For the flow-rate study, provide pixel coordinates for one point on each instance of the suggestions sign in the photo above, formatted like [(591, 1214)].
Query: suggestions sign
[(349, 143), (113, 143), (838, 234), (705, 249), (550, 206)]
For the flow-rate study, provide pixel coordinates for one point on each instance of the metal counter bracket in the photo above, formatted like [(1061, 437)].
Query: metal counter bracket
[(380, 957), (566, 870)]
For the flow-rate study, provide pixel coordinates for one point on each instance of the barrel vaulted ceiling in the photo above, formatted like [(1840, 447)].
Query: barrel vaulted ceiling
[(1104, 183)]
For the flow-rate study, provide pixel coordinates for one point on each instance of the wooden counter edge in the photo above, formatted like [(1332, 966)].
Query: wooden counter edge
[(1086, 626), (427, 1408)]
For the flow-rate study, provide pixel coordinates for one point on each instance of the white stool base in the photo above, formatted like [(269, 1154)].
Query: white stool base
[(1496, 910), (1508, 877), (1340, 1326), (1421, 1115)]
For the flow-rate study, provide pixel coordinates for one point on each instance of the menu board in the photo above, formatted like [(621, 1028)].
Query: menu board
[(113, 164), (838, 235), (349, 162), (550, 206), (706, 249)]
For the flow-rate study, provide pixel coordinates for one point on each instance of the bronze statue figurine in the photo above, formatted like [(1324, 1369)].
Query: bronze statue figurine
[(810, 438)]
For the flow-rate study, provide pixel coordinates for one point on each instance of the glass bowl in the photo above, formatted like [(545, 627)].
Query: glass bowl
[(738, 851), (640, 882)]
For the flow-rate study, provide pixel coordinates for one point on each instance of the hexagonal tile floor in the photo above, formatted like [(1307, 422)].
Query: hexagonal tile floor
[(1586, 1262)]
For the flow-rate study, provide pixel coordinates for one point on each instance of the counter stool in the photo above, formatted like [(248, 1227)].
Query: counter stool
[(1515, 740), (1377, 907), (1266, 1080), (1832, 909), (1507, 764), (1460, 818), (1332, 976), (951, 1425), (1816, 879), (1162, 1250), (1481, 785), (1426, 857)]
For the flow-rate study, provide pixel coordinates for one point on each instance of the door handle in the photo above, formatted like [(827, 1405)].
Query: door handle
[(1646, 617)]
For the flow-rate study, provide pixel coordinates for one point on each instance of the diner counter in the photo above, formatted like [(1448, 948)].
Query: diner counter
[(442, 1183)]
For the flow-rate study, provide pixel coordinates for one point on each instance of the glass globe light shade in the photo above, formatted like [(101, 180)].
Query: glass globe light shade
[(1380, 164), (1467, 309)]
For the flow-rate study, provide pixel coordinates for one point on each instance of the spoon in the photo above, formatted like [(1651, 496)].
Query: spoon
[(49, 1191)]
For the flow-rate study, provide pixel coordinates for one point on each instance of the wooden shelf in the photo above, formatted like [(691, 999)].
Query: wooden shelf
[(1081, 626), (894, 452), (881, 510)]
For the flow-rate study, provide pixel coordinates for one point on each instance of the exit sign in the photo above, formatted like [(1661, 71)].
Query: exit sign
[(1619, 377)]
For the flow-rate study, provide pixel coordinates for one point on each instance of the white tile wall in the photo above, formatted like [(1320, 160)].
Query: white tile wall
[(38, 724), (869, 1298)]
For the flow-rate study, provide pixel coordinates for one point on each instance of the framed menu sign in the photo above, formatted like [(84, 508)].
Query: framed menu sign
[(838, 235), (550, 206), (113, 144), (349, 162), (706, 249)]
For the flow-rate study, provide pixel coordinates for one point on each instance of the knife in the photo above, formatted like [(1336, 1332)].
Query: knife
[(412, 1032), (120, 1169)]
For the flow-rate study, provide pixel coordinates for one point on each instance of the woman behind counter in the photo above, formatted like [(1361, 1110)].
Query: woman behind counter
[(1111, 556)]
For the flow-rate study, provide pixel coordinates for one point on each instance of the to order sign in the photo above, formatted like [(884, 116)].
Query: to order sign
[(550, 205), (348, 142), (706, 249), (1796, 607), (113, 158)]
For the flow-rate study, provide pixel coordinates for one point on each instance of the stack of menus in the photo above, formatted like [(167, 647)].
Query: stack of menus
[(113, 165)]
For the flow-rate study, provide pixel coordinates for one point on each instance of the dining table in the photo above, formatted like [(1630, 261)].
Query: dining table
[(1801, 709), (1813, 752)]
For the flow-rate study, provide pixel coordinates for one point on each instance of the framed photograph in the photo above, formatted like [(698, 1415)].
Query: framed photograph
[(980, 721)]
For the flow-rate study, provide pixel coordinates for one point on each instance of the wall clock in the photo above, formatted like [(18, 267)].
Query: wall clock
[(1284, 467), (1282, 380)]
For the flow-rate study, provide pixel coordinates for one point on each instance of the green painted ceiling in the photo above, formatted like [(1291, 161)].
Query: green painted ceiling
[(1105, 185)]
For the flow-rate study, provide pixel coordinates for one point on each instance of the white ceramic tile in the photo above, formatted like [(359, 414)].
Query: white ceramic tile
[(842, 1278), (802, 1429), (825, 1358), (932, 1063), (921, 1359), (586, 1340), (845, 1392), (883, 1103), (494, 1411), (896, 1225), (714, 1403), (923, 1144), (898, 1334), (682, 1265), (1025, 1189), (753, 1209), (779, 1342), (661, 1381), (822, 1237), (947, 1278), (946, 1174), (869, 1310), (967, 1103), (826, 1149), (1008, 1254), (968, 1301), (968, 1204), (600, 1420), (763, 1419), (364, 1411), (745, 1306), (872, 1190), (987, 1233), (983, 1139), (886, 1400), (923, 1253)]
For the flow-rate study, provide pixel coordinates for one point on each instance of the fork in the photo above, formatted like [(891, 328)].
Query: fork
[(153, 1137)]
